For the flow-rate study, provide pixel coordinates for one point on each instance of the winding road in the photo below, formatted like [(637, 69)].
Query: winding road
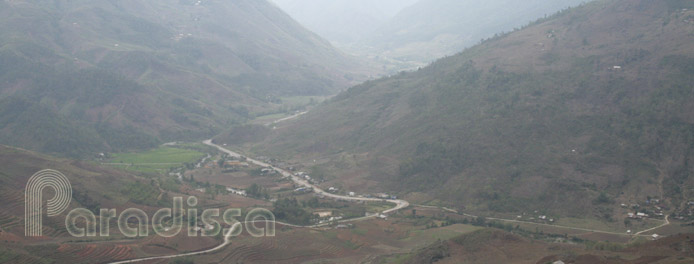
[(399, 204), (286, 118)]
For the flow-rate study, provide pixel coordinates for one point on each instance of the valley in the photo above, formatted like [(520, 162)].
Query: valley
[(336, 131)]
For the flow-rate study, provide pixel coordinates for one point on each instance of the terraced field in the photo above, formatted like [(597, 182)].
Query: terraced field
[(91, 253), (11, 257)]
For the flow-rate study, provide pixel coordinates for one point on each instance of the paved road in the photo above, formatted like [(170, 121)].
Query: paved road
[(227, 241), (399, 204), (286, 118), (667, 222)]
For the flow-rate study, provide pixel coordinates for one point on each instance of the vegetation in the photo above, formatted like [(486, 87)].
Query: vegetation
[(256, 191), (291, 211), (565, 132), (157, 161), (127, 80), (141, 193)]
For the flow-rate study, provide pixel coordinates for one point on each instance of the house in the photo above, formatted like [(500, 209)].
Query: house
[(558, 262), (237, 191), (655, 236), (641, 215), (631, 215), (332, 189), (383, 217), (383, 195), (352, 194), (324, 214), (617, 67)]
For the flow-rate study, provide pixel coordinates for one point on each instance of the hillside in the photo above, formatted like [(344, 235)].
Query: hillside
[(432, 29), (537, 119), (92, 76), (93, 187), (495, 246)]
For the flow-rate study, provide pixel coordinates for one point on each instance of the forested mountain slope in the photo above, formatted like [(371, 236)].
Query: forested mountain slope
[(91, 76), (573, 114)]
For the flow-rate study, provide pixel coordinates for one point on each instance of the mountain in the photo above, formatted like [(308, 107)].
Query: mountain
[(432, 29), (91, 76), (571, 115), (342, 21)]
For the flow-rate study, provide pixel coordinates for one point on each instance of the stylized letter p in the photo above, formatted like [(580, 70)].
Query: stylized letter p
[(33, 202)]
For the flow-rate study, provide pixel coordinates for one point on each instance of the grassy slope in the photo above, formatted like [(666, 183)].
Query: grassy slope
[(536, 119), (93, 186), (129, 73)]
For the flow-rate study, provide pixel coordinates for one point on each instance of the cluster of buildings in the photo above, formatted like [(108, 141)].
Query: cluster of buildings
[(303, 190), (237, 191), (652, 208), (327, 217), (543, 218), (687, 213), (305, 176)]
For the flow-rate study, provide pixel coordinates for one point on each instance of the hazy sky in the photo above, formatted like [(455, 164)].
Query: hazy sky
[(342, 21)]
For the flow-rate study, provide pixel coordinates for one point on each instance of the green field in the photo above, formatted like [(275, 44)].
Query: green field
[(158, 160), (268, 118)]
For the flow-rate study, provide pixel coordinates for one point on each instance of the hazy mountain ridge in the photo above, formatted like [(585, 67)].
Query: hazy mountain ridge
[(431, 29), (536, 119), (343, 21), (156, 69)]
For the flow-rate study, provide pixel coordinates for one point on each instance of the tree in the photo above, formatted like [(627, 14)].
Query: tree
[(255, 191)]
